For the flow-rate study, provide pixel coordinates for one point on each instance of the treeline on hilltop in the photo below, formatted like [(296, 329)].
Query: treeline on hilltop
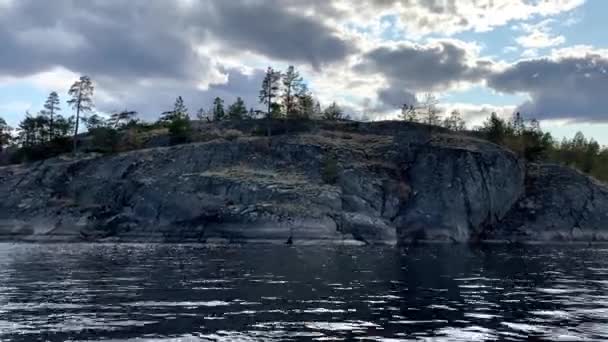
[(284, 96)]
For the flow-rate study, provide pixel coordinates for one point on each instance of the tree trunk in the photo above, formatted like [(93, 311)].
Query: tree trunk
[(269, 115), (51, 133), (75, 149)]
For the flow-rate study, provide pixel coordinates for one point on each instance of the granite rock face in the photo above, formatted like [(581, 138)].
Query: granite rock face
[(375, 183), (560, 204)]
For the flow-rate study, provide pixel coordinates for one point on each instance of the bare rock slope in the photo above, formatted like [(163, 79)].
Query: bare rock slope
[(341, 183)]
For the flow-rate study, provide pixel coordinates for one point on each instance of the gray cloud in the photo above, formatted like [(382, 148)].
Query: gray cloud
[(154, 38), (411, 68), (141, 51), (393, 98), (267, 27), (560, 88), (93, 37)]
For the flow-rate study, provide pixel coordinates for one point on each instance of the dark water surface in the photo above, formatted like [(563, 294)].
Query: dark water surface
[(278, 293)]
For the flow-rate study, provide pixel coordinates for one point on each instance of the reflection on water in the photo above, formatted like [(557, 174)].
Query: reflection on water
[(278, 293)]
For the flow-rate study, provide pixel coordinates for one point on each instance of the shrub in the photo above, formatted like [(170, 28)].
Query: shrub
[(180, 130), (329, 171), (47, 150), (104, 139), (132, 139)]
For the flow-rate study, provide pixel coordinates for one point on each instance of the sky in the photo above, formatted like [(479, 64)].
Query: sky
[(545, 58)]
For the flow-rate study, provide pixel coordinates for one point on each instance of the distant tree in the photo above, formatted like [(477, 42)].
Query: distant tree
[(51, 109), (237, 110), (495, 129), (293, 90), (430, 110), (317, 111), (95, 121), (5, 134), (203, 115), (251, 114), (33, 130), (218, 109), (180, 129), (333, 112), (179, 111), (103, 132), (518, 123), (409, 113), (121, 119), (178, 122), (306, 106), (269, 92), (81, 100), (454, 122), (63, 126), (180, 108), (527, 141)]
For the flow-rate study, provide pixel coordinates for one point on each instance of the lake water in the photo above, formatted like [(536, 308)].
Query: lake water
[(278, 293)]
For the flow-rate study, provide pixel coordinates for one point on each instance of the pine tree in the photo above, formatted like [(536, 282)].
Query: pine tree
[(269, 91), (63, 126), (81, 94), (51, 109), (518, 124), (33, 130), (430, 111), (333, 112), (5, 134), (293, 89), (95, 121), (495, 129), (218, 109), (454, 122), (409, 113), (306, 106), (120, 119), (237, 110), (179, 111)]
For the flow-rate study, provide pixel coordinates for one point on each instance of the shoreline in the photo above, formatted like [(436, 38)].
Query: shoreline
[(305, 243)]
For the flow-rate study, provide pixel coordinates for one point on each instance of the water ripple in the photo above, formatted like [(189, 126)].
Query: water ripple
[(196, 293)]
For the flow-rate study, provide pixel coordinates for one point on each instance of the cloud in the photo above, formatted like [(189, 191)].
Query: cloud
[(570, 84), (143, 53), (139, 51), (271, 29), (155, 39), (538, 36), (412, 68), (124, 96), (447, 17), (106, 38)]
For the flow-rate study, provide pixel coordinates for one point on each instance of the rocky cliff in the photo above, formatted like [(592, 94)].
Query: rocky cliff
[(346, 182)]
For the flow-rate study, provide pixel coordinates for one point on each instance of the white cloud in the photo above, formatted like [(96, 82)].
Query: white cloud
[(538, 36), (539, 40), (447, 17)]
